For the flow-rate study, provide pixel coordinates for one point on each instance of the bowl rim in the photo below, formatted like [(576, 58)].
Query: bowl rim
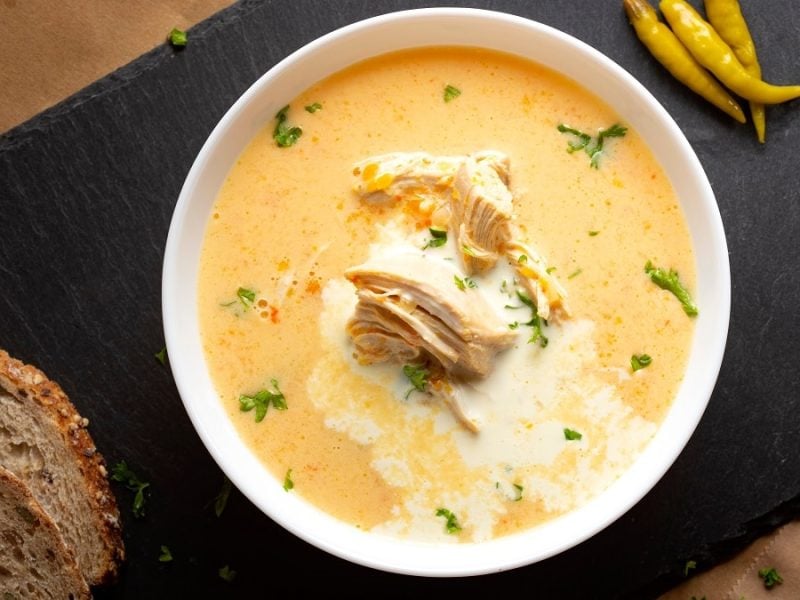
[(417, 558)]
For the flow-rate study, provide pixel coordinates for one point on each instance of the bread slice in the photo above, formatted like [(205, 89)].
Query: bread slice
[(44, 442), (34, 560)]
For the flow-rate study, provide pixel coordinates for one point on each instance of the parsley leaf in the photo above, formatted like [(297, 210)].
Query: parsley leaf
[(178, 38), (535, 322), (284, 135), (514, 325), (288, 484), (261, 401), (465, 283), (312, 108), (221, 501), (770, 577), (593, 233), (615, 130), (640, 362), (522, 259), (418, 376), (690, 565), (668, 280), (122, 473), (438, 238), (451, 524), (575, 273), (246, 297), (227, 574), (583, 141), (165, 556), (571, 434), (451, 93), (519, 490), (161, 356)]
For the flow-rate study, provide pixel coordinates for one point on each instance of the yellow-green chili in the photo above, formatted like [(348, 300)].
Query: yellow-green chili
[(726, 17), (705, 44), (668, 50)]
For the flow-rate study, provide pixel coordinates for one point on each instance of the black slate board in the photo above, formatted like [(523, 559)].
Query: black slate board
[(86, 194)]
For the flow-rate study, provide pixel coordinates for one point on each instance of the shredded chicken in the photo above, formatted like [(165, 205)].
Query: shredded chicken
[(409, 307), (409, 310)]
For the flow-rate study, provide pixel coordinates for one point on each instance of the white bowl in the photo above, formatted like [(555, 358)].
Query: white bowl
[(331, 53)]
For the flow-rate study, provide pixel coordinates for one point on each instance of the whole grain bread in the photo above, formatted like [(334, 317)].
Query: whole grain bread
[(45, 443), (34, 560)]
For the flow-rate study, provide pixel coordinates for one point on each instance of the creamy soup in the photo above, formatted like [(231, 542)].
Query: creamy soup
[(553, 424)]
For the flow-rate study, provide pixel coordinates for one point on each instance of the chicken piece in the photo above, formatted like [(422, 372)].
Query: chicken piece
[(481, 210), (380, 178), (542, 287), (409, 303), (461, 398), (399, 174)]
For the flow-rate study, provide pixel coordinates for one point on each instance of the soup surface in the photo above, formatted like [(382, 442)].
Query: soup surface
[(558, 422)]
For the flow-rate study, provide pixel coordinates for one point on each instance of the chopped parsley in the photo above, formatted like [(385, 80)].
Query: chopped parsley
[(284, 135), (689, 566), (535, 322), (438, 238), (165, 556), (122, 473), (593, 233), (178, 38), (451, 523), (465, 283), (514, 325), (770, 577), (575, 273), (227, 574), (668, 280), (451, 93), (583, 141), (519, 489), (549, 270), (288, 484), (261, 401), (221, 501), (312, 108), (161, 356), (418, 376), (246, 297), (522, 259), (640, 362), (571, 434)]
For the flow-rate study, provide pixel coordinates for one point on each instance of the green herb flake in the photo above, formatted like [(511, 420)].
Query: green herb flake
[(536, 321), (669, 280), (221, 501), (571, 434), (122, 473), (262, 400), (246, 297), (165, 556), (464, 283), (514, 325), (593, 233), (284, 135), (178, 38), (438, 238), (312, 108), (161, 356), (640, 362), (227, 574), (549, 270), (451, 93), (689, 566), (288, 484), (451, 524), (519, 489), (418, 376), (468, 250), (575, 273), (770, 577), (583, 141), (523, 259)]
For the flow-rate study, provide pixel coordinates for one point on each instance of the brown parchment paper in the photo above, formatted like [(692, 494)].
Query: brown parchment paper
[(50, 49)]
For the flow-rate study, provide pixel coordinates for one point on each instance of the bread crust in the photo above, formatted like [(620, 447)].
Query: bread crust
[(29, 384), (70, 572)]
